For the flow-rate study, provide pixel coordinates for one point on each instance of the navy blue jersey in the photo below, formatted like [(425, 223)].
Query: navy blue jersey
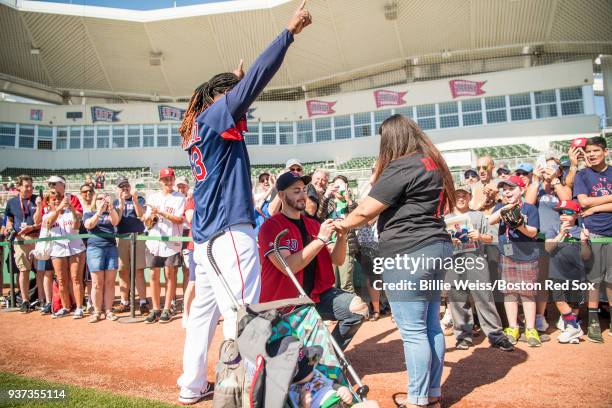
[(21, 210), (596, 184), (129, 220), (218, 154)]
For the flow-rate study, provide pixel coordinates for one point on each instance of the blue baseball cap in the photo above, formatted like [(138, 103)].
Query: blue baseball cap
[(526, 167)]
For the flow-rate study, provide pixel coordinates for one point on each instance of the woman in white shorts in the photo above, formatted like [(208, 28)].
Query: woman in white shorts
[(66, 255)]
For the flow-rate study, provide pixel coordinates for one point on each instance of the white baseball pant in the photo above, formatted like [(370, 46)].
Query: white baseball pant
[(237, 256)]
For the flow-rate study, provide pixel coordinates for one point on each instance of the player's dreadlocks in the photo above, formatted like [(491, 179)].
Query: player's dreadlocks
[(203, 97)]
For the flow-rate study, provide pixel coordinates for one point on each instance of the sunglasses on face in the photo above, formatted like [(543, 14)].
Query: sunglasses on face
[(485, 168), (126, 186), (52, 184), (568, 212), (295, 169), (521, 173)]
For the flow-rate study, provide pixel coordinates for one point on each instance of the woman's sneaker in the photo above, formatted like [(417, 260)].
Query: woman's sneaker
[(513, 334), (25, 307), (533, 339), (165, 316), (46, 310), (153, 317), (541, 324), (78, 313), (570, 334), (61, 313)]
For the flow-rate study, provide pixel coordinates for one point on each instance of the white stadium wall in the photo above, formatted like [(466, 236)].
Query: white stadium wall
[(551, 78)]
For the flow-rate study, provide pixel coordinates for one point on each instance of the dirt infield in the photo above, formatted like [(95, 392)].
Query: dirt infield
[(145, 360)]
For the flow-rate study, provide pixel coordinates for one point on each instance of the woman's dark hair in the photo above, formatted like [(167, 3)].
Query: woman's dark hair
[(203, 97), (399, 137), (340, 177)]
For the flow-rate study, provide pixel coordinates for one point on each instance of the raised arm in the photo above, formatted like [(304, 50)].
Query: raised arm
[(265, 66)]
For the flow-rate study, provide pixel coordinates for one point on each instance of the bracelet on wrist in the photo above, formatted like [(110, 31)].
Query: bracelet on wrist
[(323, 240)]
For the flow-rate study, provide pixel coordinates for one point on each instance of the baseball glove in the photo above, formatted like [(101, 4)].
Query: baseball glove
[(150, 222), (512, 217)]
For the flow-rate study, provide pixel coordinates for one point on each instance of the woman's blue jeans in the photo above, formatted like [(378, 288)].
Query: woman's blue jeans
[(416, 314)]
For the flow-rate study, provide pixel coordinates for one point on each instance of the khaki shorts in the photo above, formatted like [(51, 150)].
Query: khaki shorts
[(123, 245), (22, 256)]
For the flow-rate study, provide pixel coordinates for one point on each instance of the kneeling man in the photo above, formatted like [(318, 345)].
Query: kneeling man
[(310, 254)]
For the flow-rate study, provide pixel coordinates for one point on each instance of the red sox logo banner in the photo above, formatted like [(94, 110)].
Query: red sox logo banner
[(382, 97), (460, 87), (100, 114), (315, 107), (170, 113), (36, 114)]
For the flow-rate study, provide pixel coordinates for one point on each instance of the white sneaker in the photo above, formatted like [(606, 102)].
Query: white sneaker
[(78, 313), (209, 390), (541, 324), (61, 313), (560, 324), (571, 334), (447, 319)]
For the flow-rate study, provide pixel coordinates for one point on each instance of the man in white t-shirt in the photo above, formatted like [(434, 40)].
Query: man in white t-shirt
[(164, 218)]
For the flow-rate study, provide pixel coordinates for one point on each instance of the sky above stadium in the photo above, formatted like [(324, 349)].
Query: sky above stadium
[(135, 4)]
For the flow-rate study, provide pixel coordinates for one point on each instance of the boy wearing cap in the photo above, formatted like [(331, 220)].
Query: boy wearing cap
[(307, 251), (593, 190), (569, 249), (468, 250), (518, 262), (165, 215)]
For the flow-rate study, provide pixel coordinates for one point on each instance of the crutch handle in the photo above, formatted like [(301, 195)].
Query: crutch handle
[(282, 261), (213, 263)]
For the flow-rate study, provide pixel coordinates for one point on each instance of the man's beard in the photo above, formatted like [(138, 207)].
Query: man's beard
[(296, 204)]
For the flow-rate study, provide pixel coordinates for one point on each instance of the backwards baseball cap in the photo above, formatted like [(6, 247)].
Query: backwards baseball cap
[(526, 167), (292, 162), (308, 357), (512, 181), (463, 187), (122, 180), (167, 172), (56, 179), (502, 170), (568, 205), (181, 180), (286, 180), (470, 173)]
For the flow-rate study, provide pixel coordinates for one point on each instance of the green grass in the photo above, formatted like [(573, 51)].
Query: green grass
[(76, 396)]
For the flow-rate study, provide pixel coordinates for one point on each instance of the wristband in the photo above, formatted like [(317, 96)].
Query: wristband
[(323, 241)]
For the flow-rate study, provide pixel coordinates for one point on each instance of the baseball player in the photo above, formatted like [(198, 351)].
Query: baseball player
[(212, 132)]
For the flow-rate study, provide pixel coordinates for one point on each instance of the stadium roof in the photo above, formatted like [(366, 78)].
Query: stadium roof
[(50, 50)]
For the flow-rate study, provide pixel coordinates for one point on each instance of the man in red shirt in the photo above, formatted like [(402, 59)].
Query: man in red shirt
[(307, 250)]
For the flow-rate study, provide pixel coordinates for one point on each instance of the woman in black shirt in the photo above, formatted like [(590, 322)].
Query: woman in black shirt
[(413, 189)]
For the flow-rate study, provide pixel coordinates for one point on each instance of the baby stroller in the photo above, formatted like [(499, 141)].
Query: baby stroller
[(247, 376)]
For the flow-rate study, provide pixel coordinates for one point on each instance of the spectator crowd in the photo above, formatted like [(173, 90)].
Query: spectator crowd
[(565, 225)]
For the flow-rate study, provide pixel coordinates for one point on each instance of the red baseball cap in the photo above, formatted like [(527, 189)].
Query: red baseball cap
[(568, 205), (579, 142), (167, 172), (512, 181)]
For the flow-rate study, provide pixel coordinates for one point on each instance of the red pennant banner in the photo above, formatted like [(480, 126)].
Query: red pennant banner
[(460, 87), (315, 107), (386, 98)]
